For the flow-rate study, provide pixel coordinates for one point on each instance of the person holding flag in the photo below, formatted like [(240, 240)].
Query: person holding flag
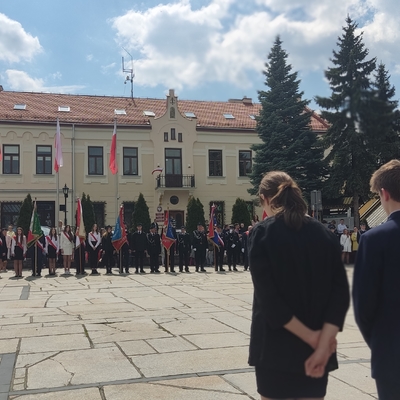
[(18, 251), (36, 243), (154, 249), (183, 249), (119, 240), (168, 239), (219, 250), (215, 238), (199, 242), (108, 249)]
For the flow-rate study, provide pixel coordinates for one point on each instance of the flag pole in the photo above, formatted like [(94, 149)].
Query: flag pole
[(35, 267), (167, 262), (116, 175), (120, 262), (215, 257), (56, 214)]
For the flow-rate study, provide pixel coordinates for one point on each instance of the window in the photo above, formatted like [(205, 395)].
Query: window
[(19, 106), (120, 111), (43, 160), (10, 214), (95, 166), (173, 134), (180, 137), (130, 160), (11, 159), (129, 207), (215, 162), (190, 114), (252, 116), (45, 210), (64, 108), (245, 162), (165, 136), (229, 116), (149, 113), (173, 161)]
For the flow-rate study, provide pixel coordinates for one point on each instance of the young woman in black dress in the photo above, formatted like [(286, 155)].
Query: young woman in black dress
[(301, 295), (52, 248), (18, 251), (3, 250)]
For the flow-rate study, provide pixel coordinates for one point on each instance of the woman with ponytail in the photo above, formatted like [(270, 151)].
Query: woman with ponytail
[(301, 295)]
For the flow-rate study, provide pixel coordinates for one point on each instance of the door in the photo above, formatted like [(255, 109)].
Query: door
[(173, 167), (178, 216)]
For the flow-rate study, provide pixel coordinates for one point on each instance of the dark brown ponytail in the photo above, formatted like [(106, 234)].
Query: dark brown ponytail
[(284, 198)]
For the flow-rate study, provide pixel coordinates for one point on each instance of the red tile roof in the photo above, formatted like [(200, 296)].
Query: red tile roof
[(43, 107)]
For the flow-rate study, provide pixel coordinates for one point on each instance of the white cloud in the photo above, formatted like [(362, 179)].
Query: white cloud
[(15, 43), (21, 81), (177, 46), (89, 57), (106, 68)]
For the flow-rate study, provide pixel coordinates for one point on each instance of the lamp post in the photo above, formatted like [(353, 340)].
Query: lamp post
[(65, 191)]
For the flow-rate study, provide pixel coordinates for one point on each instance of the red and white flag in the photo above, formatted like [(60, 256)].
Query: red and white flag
[(58, 157), (113, 155)]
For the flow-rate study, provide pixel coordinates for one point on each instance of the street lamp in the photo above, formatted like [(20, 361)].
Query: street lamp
[(65, 191)]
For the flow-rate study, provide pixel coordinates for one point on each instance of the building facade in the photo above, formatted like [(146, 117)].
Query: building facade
[(203, 149)]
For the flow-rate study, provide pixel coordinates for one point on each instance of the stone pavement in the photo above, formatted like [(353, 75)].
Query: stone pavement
[(167, 336)]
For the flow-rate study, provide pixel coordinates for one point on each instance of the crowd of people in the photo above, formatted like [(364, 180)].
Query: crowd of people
[(63, 248)]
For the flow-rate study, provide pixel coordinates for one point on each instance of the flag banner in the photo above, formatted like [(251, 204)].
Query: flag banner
[(158, 169), (113, 150), (80, 225), (78, 241), (35, 230), (58, 157), (119, 235), (167, 237), (212, 233)]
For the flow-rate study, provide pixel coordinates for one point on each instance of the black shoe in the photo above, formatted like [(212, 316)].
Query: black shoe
[(142, 271), (127, 270), (136, 272), (171, 270), (38, 274), (152, 272), (94, 272), (203, 270), (230, 268), (197, 269), (186, 269), (235, 269), (180, 269), (222, 270), (157, 271)]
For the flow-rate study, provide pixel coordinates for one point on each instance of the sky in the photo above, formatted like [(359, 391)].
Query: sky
[(204, 49)]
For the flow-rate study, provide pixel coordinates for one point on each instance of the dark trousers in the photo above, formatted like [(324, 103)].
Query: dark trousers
[(388, 389), (246, 259), (183, 258), (139, 255), (200, 258), (171, 258), (37, 260), (231, 253), (108, 260), (219, 257), (93, 257), (154, 262)]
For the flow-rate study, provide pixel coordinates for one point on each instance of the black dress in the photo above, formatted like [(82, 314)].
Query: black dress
[(294, 273)]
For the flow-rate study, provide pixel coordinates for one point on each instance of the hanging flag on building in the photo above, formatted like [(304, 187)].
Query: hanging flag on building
[(113, 151), (158, 169), (58, 157), (35, 230), (212, 233), (167, 237), (80, 225), (119, 235)]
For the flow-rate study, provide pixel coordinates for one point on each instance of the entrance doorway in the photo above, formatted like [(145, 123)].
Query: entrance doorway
[(178, 216)]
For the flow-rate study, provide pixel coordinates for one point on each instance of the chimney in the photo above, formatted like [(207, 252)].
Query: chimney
[(247, 100)]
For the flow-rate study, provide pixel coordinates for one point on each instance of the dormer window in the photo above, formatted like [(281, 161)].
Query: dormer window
[(20, 106), (64, 108)]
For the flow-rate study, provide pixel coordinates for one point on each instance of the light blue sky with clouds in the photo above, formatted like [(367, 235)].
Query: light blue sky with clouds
[(204, 49)]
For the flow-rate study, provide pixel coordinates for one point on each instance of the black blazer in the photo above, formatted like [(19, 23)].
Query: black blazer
[(376, 295), (295, 273)]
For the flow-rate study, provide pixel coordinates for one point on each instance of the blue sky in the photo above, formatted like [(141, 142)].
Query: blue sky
[(204, 49)]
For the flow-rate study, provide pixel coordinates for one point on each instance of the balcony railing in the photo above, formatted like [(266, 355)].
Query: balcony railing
[(175, 181)]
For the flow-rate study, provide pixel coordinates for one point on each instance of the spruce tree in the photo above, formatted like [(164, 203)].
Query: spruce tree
[(240, 213), (88, 212), (350, 157), (381, 119), (194, 214), (25, 214), (141, 214), (288, 144)]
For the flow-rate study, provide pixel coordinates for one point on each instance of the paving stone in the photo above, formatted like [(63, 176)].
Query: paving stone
[(141, 391), (84, 394), (211, 341), (246, 382), (192, 361), (26, 360), (166, 345), (188, 326), (54, 343), (8, 345), (136, 347)]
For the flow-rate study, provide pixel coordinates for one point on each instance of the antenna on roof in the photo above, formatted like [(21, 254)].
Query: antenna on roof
[(130, 71)]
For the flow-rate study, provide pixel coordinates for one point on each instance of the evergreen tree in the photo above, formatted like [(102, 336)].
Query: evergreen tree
[(381, 119), (240, 213), (141, 214), (25, 214), (288, 144), (194, 214), (89, 218), (351, 159)]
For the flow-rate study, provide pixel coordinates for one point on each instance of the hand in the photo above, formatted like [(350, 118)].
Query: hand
[(315, 364)]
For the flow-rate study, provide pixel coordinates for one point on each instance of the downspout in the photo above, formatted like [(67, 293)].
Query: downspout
[(73, 195)]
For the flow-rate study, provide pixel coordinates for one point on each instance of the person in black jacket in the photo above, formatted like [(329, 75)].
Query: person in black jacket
[(108, 251), (200, 244), (219, 250), (183, 249), (154, 249), (301, 295), (231, 242), (139, 246)]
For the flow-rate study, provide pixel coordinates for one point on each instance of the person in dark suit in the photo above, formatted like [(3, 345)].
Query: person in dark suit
[(139, 245), (108, 251), (232, 243), (301, 295), (376, 293), (199, 242), (183, 249), (154, 249), (219, 250)]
